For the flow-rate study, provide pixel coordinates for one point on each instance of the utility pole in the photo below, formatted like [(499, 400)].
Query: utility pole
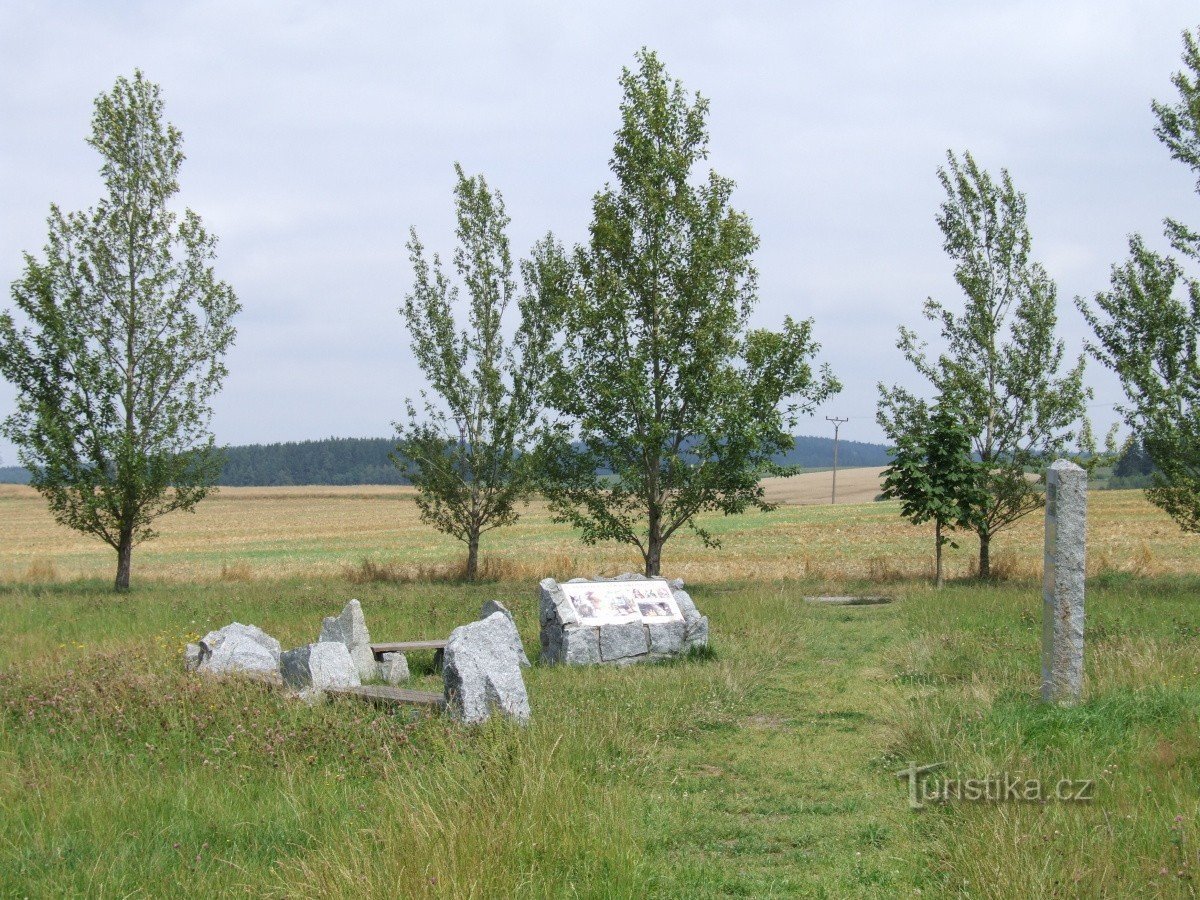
[(837, 424)]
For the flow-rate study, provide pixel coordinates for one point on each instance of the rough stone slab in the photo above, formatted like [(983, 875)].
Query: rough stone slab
[(697, 633), (553, 604), (550, 637), (1063, 578), (580, 646), (623, 641), (193, 655), (213, 640), (667, 638), (492, 606), (482, 673), (495, 606), (322, 665), (686, 605), (237, 652), (393, 667), (350, 628)]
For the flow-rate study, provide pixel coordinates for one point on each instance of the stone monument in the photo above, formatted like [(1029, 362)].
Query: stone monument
[(482, 672), (622, 620), (1063, 582), (350, 628)]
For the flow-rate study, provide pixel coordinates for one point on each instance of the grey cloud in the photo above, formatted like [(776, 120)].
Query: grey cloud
[(318, 133)]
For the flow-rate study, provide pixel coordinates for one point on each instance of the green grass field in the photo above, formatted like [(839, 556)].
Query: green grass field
[(765, 769)]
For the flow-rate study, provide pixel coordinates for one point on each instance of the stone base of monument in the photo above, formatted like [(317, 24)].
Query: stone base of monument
[(617, 621), (848, 601)]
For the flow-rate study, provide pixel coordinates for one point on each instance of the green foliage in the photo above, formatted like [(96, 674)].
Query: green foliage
[(658, 380), (466, 456), (933, 474), (1001, 358), (1148, 322), (127, 329), (1179, 129)]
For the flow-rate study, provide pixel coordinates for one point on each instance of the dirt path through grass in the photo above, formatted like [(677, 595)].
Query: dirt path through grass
[(786, 792)]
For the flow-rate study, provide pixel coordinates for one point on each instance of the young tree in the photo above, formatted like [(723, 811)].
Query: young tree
[(932, 473), (127, 329), (670, 406), (1148, 335), (1001, 358), (1147, 325), (467, 456)]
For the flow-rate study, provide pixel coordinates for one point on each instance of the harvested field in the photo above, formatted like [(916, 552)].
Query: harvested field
[(375, 534), (813, 488)]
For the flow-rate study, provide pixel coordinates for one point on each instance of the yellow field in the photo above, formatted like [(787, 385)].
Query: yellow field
[(814, 488), (256, 533)]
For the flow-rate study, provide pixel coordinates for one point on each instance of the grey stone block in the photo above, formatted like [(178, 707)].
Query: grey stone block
[(482, 673), (211, 641), (667, 638), (324, 664), (393, 668), (239, 653), (553, 604), (193, 654), (495, 606), (1063, 578), (697, 633), (350, 628), (623, 641), (580, 646)]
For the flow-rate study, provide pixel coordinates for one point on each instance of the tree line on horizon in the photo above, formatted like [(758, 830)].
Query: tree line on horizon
[(631, 391), (350, 461), (368, 461)]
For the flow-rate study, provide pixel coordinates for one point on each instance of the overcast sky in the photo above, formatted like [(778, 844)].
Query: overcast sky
[(318, 132)]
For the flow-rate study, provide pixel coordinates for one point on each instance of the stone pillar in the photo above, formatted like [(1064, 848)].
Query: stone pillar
[(1062, 583)]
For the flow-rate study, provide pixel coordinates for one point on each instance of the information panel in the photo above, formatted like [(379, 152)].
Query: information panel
[(619, 602)]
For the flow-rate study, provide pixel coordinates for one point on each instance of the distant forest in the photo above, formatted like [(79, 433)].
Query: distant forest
[(365, 461)]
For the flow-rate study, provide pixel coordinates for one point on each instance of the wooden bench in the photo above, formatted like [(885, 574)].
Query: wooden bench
[(384, 695), (438, 648)]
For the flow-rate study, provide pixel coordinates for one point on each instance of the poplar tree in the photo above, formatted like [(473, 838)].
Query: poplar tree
[(1147, 325), (669, 405), (1001, 359), (121, 351), (466, 454)]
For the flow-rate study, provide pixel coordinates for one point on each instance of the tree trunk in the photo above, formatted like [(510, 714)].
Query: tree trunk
[(473, 556), (937, 581), (985, 560), (124, 559), (654, 558), (654, 539)]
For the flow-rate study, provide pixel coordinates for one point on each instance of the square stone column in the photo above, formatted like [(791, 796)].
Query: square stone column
[(1063, 583)]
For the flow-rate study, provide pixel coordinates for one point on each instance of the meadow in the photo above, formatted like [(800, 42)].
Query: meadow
[(764, 768)]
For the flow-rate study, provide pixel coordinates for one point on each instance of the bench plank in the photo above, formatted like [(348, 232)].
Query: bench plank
[(384, 695), (405, 646)]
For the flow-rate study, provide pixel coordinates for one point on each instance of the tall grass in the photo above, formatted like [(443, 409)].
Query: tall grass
[(972, 658), (763, 769)]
